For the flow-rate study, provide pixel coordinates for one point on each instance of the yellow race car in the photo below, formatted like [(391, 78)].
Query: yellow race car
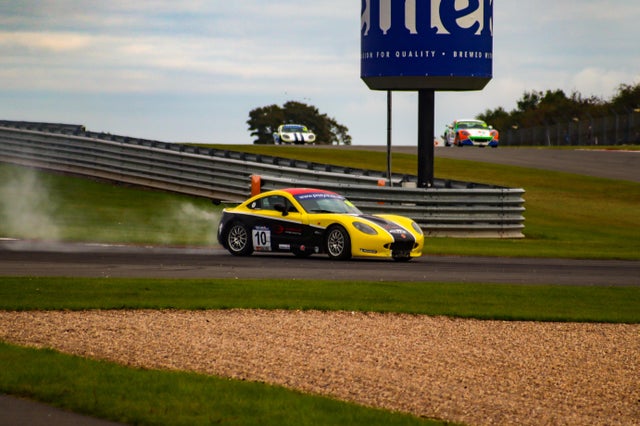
[(307, 221)]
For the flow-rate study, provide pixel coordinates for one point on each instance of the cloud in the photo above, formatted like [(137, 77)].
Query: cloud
[(601, 82), (174, 47), (43, 42), (229, 57)]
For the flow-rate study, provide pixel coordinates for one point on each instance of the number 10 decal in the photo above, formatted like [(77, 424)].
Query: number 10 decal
[(261, 238)]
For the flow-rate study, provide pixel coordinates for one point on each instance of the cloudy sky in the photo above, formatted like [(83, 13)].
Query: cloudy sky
[(191, 70)]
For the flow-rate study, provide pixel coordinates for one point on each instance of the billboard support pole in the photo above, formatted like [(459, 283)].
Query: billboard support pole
[(426, 132), (389, 137)]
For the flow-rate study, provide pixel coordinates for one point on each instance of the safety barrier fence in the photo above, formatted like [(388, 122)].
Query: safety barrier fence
[(449, 208)]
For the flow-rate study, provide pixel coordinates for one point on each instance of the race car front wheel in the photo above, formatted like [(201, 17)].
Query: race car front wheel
[(239, 240), (338, 243)]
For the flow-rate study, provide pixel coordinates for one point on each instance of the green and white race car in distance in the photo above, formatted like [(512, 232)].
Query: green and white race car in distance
[(293, 133), (471, 132)]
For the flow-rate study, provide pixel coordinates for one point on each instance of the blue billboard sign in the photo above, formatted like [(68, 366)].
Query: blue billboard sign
[(426, 44)]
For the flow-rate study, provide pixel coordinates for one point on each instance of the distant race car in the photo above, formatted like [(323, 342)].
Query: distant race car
[(306, 221), (293, 133), (471, 132)]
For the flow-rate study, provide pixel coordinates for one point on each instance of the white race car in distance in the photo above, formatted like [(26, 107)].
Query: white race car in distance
[(293, 133)]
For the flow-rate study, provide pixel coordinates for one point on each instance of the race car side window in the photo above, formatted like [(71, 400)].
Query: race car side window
[(269, 203)]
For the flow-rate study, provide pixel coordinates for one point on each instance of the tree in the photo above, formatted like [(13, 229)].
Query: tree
[(498, 118), (536, 108), (529, 101), (628, 97), (263, 121)]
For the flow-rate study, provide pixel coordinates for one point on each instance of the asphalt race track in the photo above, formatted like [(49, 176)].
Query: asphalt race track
[(25, 258), (612, 164)]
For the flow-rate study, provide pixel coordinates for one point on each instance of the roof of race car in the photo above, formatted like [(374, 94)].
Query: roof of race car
[(468, 120), (299, 191), (296, 127)]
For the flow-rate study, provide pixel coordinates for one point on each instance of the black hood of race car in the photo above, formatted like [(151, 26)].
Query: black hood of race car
[(399, 233)]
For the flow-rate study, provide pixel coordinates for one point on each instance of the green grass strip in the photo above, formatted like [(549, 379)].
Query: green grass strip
[(482, 301), (152, 397)]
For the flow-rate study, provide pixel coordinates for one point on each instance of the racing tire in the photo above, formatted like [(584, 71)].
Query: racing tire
[(239, 240), (338, 243)]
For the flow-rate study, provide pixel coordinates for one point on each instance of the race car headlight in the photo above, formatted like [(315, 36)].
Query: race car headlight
[(416, 228), (364, 228), (286, 136)]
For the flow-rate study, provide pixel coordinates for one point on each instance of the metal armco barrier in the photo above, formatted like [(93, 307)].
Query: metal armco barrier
[(450, 208)]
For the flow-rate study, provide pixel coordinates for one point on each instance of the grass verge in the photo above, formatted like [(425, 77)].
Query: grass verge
[(37, 204), (152, 397), (482, 301)]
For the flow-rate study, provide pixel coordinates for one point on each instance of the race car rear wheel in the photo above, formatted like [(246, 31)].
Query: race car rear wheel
[(239, 240), (338, 243)]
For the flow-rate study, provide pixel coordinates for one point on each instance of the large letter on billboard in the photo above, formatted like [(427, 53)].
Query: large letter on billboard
[(449, 16)]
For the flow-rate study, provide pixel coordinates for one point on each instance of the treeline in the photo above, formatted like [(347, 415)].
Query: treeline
[(538, 108)]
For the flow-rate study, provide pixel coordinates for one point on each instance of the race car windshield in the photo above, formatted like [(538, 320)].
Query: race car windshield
[(326, 203), (472, 125), (294, 129)]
